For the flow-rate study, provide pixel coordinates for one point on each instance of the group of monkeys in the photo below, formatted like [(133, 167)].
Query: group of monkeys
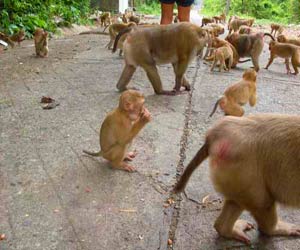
[(254, 160)]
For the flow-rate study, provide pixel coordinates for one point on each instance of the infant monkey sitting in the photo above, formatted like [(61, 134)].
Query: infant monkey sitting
[(120, 127)]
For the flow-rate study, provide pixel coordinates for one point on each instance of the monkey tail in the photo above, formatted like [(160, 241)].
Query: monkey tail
[(105, 27), (268, 34), (93, 153), (201, 155), (247, 60), (121, 33), (215, 107)]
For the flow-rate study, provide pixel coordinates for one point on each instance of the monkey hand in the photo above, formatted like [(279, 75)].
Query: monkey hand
[(145, 116)]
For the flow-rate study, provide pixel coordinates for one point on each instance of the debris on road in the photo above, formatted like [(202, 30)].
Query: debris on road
[(49, 102)]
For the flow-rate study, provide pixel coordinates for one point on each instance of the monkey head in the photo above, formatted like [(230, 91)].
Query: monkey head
[(132, 103), (250, 75), (281, 38)]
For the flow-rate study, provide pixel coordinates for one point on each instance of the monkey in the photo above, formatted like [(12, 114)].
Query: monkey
[(284, 39), (105, 18), (217, 43), (160, 44), (134, 19), (18, 37), (238, 95), (221, 54), (217, 29), (114, 29), (235, 24), (223, 18), (7, 39), (286, 51), (244, 29), (41, 42), (206, 20), (276, 28), (254, 164), (124, 18), (249, 45), (220, 19), (120, 127)]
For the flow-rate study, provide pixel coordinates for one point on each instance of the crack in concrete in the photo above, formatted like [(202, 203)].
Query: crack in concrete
[(180, 167)]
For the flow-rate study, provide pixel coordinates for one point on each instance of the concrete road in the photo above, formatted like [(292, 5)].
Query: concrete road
[(52, 196)]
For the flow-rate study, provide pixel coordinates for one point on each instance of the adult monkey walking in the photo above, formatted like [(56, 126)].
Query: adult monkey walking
[(167, 6)]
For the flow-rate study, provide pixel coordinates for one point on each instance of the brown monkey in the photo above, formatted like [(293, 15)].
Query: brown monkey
[(160, 44), (41, 42), (220, 55), (114, 29), (220, 19), (244, 29), (105, 19), (217, 29), (7, 39), (217, 43), (254, 163), (238, 94), (18, 37), (249, 45), (286, 51), (119, 129), (276, 28), (134, 19), (124, 18), (235, 24), (206, 20), (284, 39)]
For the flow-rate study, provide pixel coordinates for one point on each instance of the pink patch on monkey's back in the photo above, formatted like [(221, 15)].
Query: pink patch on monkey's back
[(223, 150)]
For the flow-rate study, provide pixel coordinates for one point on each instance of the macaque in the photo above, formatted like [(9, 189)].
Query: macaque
[(18, 37), (249, 45), (236, 23), (120, 127), (254, 164), (220, 55), (178, 44), (41, 42), (244, 29), (238, 95), (284, 39), (286, 51), (105, 19), (220, 19), (7, 39), (206, 20), (134, 19), (124, 18), (276, 28), (217, 29), (114, 29)]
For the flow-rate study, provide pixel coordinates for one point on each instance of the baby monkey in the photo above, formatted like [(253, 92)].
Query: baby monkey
[(238, 95), (120, 127), (41, 42)]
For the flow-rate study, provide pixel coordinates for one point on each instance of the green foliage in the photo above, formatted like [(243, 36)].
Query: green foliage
[(30, 14), (148, 7), (283, 11)]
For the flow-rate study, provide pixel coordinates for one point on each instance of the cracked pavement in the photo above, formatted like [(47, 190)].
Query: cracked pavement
[(52, 196)]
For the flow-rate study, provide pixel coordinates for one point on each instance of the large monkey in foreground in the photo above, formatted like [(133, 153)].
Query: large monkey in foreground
[(148, 46), (255, 163)]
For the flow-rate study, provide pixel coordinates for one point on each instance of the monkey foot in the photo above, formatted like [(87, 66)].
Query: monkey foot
[(130, 156), (285, 229), (126, 167), (239, 229)]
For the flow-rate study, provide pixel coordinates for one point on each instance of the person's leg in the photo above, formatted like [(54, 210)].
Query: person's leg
[(166, 11), (184, 8)]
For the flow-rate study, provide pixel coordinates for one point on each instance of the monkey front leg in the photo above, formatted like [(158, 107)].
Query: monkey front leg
[(270, 61), (125, 77), (227, 224), (287, 65)]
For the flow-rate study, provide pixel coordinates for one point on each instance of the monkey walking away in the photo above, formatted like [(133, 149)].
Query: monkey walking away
[(285, 39), (178, 44), (286, 51), (276, 28), (220, 55), (119, 129), (41, 42), (255, 164), (238, 95)]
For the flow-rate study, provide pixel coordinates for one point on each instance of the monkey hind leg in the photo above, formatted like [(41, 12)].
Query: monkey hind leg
[(269, 223), (228, 225), (125, 77), (234, 109)]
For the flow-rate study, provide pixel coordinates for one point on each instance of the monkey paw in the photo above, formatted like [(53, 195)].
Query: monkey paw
[(239, 229), (130, 156), (285, 229)]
